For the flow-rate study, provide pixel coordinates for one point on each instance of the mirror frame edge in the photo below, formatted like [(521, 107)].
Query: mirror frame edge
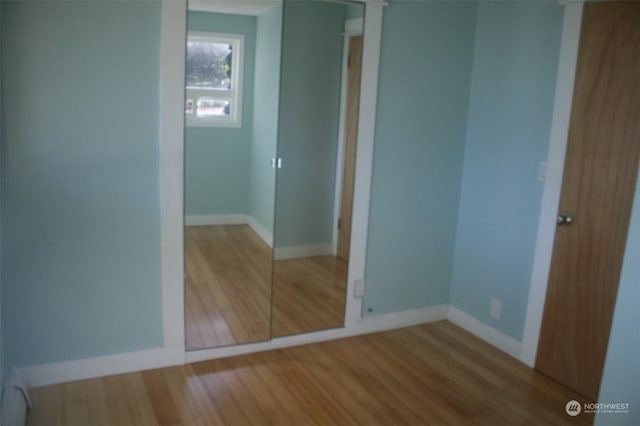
[(173, 30), (372, 40)]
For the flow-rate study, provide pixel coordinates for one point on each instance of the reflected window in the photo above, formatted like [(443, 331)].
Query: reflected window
[(213, 79)]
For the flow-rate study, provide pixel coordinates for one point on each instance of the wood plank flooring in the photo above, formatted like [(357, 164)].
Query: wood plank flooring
[(227, 286), (434, 374), (228, 291), (309, 294)]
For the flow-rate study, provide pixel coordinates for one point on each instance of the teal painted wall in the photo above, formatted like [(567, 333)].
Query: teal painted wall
[(420, 133), (264, 140), (510, 109), (354, 10), (308, 122), (621, 377), (80, 222), (217, 159)]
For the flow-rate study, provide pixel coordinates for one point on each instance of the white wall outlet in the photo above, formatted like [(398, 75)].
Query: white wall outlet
[(496, 308), (358, 291), (542, 171)]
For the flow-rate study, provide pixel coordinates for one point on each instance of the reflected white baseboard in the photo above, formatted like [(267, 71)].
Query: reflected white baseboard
[(309, 250), (230, 219), (262, 232), (216, 219)]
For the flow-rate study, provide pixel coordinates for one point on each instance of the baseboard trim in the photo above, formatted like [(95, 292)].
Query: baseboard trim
[(15, 400), (89, 368), (231, 219), (485, 332), (365, 325), (295, 252), (67, 371), (259, 229), (215, 219)]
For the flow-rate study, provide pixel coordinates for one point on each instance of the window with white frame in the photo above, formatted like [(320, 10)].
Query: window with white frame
[(213, 79)]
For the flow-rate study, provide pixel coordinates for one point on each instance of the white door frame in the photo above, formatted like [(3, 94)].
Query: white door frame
[(553, 182), (352, 27), (173, 35)]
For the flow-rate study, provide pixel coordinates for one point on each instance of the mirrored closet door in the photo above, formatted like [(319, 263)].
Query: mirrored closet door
[(319, 94), (232, 78), (269, 98)]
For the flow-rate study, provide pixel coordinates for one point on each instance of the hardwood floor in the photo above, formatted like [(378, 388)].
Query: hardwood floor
[(434, 374), (227, 286), (308, 294), (228, 290)]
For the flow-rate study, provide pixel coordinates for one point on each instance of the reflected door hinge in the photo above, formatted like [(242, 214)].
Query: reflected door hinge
[(339, 223), (349, 61)]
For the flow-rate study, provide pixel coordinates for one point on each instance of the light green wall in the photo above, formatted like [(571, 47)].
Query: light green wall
[(217, 159), (354, 10), (511, 103), (216, 171), (80, 194), (308, 122), (621, 377), (264, 140), (425, 69)]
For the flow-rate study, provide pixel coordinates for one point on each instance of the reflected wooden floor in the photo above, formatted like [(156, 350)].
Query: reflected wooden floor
[(227, 286), (228, 289), (308, 294), (434, 374)]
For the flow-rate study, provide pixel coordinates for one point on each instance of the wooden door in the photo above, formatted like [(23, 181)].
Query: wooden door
[(597, 191), (353, 98)]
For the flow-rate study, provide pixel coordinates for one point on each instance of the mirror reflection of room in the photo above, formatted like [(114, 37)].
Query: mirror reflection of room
[(232, 85), (272, 92), (319, 94)]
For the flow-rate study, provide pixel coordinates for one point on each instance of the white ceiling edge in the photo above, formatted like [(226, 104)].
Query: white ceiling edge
[(235, 7)]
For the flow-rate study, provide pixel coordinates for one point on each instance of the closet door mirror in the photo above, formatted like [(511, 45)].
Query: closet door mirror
[(319, 96), (232, 91)]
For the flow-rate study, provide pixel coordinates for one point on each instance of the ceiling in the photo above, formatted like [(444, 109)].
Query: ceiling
[(236, 7)]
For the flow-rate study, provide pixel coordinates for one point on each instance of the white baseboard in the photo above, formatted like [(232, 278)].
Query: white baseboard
[(487, 333), (295, 252), (46, 374), (262, 232), (231, 219), (215, 219), (67, 371), (15, 401), (88, 368), (365, 325)]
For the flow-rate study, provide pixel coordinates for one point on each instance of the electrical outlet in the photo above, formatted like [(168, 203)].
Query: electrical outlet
[(542, 171), (359, 288), (496, 308)]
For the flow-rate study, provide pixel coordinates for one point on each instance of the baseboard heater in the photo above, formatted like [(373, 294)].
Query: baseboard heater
[(15, 402)]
